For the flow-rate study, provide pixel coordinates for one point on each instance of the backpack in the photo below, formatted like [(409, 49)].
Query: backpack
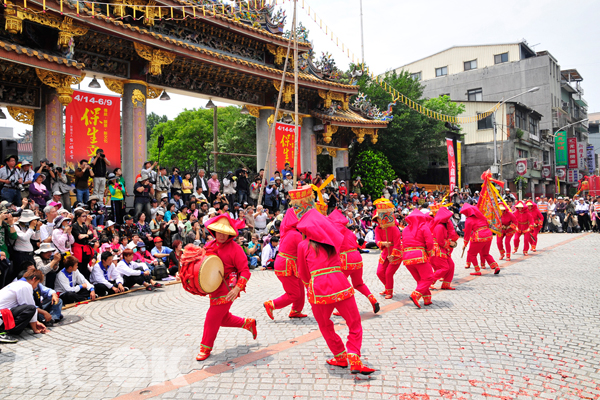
[(160, 271)]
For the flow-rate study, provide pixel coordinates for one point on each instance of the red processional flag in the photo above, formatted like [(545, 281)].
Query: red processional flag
[(93, 122), (285, 135), (451, 164)]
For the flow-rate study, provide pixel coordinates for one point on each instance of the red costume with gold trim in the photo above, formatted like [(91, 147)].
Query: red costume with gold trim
[(538, 223), (524, 226), (509, 227), (350, 258), (386, 231), (417, 243), (286, 269), (478, 234), (329, 289), (444, 237), (234, 261)]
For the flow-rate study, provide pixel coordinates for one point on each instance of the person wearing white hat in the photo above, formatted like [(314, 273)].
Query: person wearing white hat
[(28, 229), (47, 260), (61, 235), (26, 174)]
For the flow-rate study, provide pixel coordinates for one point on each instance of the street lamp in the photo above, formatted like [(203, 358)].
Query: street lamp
[(164, 96), (244, 110), (2, 115), (94, 84), (495, 166), (567, 126)]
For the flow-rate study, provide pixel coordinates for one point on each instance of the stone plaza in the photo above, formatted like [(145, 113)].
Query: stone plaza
[(530, 332)]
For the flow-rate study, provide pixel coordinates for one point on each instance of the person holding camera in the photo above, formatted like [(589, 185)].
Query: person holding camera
[(47, 169), (27, 228), (63, 188), (62, 238), (357, 186), (38, 192), (255, 191), (82, 176), (10, 180), (27, 175), (99, 164)]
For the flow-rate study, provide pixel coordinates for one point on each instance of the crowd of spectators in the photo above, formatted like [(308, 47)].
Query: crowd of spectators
[(53, 254)]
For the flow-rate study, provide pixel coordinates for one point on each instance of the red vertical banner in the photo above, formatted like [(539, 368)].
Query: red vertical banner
[(451, 164), (572, 153), (93, 122), (285, 136)]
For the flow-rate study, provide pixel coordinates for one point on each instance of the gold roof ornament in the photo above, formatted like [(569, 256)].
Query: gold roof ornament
[(329, 131), (61, 82), (288, 91), (156, 58), (328, 96), (138, 97), (115, 85), (22, 115), (280, 52)]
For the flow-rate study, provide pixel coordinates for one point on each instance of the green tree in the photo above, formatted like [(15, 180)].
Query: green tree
[(189, 138), (410, 138), (152, 120), (373, 168)]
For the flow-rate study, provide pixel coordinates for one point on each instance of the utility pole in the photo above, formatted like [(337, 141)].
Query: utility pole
[(215, 129), (362, 38), (295, 173)]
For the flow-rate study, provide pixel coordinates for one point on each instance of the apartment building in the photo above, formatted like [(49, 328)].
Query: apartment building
[(493, 73)]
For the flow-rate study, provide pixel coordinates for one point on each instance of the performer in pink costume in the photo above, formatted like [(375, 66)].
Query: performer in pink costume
[(538, 222), (524, 226), (444, 241), (389, 239), (417, 242), (329, 289), (286, 269), (477, 232), (509, 226), (350, 258), (225, 230)]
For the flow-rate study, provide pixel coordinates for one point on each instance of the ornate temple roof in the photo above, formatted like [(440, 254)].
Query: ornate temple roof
[(349, 118), (225, 21), (20, 50), (220, 56)]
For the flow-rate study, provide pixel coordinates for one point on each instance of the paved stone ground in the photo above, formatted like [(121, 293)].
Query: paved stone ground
[(530, 332)]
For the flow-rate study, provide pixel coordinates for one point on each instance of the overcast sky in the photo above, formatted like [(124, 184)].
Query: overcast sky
[(397, 32)]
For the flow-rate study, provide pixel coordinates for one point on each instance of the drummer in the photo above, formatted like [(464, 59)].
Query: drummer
[(236, 275)]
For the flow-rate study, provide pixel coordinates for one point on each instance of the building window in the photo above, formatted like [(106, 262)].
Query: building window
[(416, 77), (475, 95), (546, 157), (469, 65), (521, 119), (485, 123), (522, 153), (445, 94), (533, 126), (443, 71), (501, 58)]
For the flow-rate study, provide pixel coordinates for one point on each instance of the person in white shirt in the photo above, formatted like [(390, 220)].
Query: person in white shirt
[(135, 273), (27, 228), (17, 307), (582, 209), (260, 220), (51, 213), (71, 285), (105, 277), (268, 254)]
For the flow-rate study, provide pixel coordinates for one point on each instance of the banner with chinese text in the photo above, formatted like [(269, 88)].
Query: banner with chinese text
[(285, 138), (581, 156), (458, 162), (451, 164), (572, 176), (572, 150), (560, 145), (93, 121), (591, 160)]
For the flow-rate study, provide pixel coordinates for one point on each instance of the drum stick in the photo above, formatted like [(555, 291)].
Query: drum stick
[(463, 252)]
